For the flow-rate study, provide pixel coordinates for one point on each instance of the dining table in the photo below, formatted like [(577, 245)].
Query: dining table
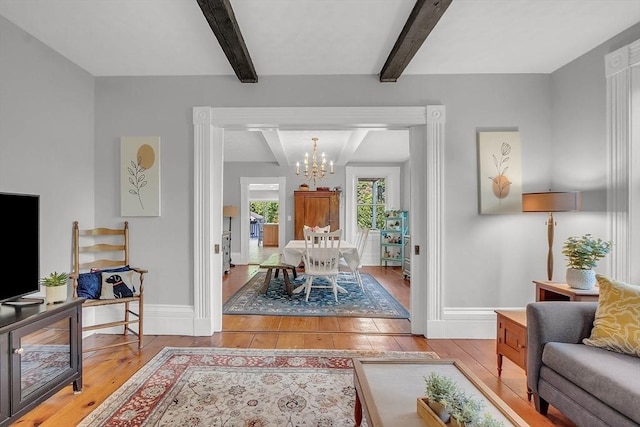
[(293, 252)]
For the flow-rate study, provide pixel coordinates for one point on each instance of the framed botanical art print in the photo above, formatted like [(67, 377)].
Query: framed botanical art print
[(140, 176), (500, 169)]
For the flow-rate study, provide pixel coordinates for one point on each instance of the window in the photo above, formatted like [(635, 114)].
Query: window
[(370, 202)]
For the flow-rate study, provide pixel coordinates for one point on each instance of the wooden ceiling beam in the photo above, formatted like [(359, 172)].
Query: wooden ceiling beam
[(422, 20), (222, 21)]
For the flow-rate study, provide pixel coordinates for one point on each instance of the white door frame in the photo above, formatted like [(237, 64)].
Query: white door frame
[(244, 210), (426, 139)]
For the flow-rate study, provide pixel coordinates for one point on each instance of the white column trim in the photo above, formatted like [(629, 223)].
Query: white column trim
[(622, 69), (207, 223), (434, 165)]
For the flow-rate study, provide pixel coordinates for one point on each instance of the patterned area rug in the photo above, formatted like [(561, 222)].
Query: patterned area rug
[(239, 387), (375, 301)]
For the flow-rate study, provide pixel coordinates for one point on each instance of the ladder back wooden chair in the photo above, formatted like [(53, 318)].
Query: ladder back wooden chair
[(103, 276)]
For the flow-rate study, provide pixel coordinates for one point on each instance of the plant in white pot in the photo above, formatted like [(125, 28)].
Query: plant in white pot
[(582, 254), (56, 287)]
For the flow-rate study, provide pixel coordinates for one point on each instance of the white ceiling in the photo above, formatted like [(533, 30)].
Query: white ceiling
[(316, 37)]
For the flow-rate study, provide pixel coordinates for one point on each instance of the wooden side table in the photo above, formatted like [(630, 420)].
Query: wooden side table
[(555, 291), (511, 339)]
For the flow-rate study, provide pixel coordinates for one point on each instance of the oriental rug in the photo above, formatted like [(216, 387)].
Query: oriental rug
[(374, 301), (240, 387)]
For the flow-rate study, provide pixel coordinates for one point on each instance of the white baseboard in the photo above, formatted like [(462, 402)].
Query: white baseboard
[(457, 322)]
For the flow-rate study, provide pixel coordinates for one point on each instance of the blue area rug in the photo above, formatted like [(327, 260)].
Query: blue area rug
[(375, 301)]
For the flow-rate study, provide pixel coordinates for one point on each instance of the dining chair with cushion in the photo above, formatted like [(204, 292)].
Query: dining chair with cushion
[(321, 259)]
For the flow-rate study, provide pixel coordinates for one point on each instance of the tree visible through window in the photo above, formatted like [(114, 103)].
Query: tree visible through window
[(269, 210), (370, 204)]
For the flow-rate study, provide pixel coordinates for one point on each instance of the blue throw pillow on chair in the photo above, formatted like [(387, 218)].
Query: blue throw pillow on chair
[(90, 284)]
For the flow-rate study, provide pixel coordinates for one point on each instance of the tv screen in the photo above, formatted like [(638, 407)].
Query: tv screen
[(21, 258)]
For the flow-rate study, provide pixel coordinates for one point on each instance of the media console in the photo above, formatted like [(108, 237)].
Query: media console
[(40, 354)]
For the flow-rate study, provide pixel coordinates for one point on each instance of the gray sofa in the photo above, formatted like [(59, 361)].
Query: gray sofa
[(591, 386)]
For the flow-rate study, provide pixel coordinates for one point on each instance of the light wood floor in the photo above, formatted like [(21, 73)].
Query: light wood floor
[(106, 370)]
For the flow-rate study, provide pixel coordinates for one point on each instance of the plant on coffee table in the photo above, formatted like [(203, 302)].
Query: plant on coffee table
[(465, 409), (441, 391)]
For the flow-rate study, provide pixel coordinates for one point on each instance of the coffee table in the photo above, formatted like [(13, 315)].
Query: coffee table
[(387, 391)]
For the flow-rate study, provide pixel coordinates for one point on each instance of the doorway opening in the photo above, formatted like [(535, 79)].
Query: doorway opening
[(264, 221)]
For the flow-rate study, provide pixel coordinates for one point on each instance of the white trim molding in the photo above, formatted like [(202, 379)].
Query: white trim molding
[(426, 136), (623, 146), (428, 172)]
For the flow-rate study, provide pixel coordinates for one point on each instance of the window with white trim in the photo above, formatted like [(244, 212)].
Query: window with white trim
[(370, 202)]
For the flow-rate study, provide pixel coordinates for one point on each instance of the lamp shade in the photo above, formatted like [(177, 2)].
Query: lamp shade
[(552, 201), (230, 211)]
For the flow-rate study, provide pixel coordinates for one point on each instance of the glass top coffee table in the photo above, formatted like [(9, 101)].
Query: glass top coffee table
[(387, 391)]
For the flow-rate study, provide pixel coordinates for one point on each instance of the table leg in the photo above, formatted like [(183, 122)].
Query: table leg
[(357, 411), (267, 279), (499, 364), (287, 283)]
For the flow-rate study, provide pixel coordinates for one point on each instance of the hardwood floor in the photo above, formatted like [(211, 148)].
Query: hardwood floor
[(106, 370)]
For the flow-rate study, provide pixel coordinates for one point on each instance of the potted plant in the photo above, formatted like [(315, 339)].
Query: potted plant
[(56, 287), (440, 391), (582, 254), (465, 410)]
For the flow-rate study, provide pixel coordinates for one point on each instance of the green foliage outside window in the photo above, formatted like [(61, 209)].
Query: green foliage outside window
[(370, 203), (269, 210)]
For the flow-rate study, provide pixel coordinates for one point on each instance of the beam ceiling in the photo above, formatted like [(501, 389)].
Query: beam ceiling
[(222, 21), (422, 20)]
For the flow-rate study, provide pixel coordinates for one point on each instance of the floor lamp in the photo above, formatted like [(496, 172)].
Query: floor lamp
[(230, 211), (551, 201)]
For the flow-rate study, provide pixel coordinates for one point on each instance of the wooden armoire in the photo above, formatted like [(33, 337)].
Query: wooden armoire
[(316, 208)]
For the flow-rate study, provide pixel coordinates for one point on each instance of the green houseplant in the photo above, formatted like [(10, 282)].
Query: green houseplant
[(56, 287), (440, 391), (583, 253), (465, 410)]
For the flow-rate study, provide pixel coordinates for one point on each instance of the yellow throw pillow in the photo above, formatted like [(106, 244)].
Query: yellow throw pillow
[(617, 323)]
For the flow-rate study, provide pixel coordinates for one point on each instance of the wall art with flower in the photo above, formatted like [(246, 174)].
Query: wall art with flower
[(140, 176), (500, 168)]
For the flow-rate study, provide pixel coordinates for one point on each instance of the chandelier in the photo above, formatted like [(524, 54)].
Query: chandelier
[(315, 171)]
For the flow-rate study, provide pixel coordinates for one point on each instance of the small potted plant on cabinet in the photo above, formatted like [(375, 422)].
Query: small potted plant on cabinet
[(582, 255), (56, 287)]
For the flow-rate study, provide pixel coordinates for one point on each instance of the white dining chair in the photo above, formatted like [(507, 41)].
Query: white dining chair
[(361, 244), (322, 259)]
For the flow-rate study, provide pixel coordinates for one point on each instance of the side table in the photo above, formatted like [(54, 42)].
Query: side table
[(555, 291), (511, 339)]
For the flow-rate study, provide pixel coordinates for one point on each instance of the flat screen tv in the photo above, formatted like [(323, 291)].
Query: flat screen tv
[(21, 258)]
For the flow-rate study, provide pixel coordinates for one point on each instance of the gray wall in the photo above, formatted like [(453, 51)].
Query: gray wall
[(46, 139), (489, 260)]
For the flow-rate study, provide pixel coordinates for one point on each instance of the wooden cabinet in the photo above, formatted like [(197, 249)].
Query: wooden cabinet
[(41, 354), (554, 291), (316, 208), (511, 339), (270, 235)]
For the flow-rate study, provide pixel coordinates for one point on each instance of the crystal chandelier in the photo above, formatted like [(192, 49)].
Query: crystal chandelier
[(315, 171)]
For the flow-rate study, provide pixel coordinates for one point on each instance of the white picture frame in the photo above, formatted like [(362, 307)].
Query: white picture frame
[(500, 172), (140, 176)]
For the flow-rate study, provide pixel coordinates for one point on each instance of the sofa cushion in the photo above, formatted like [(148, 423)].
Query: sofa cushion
[(617, 323), (613, 378)]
